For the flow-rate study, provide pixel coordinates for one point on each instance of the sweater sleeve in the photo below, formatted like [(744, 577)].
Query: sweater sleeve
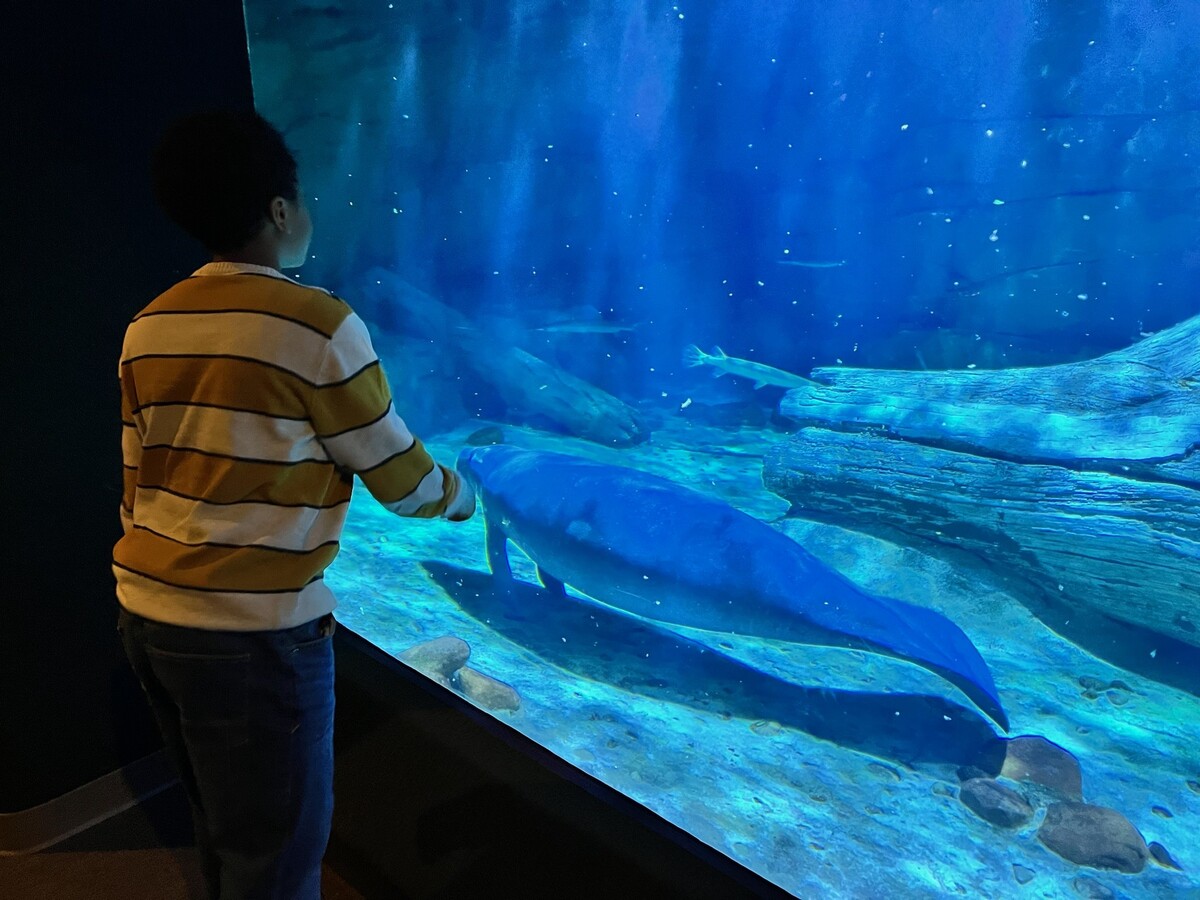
[(357, 423), (131, 450)]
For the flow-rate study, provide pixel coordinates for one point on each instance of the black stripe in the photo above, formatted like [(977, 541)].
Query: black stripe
[(208, 590), (129, 424), (389, 459), (246, 459), (129, 467), (417, 488), (348, 378), (221, 546), (249, 312), (256, 412), (378, 418), (261, 362), (249, 359), (167, 490)]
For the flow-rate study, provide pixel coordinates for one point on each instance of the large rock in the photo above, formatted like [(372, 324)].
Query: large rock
[(1034, 759), (1093, 836), (488, 692), (995, 803), (439, 658)]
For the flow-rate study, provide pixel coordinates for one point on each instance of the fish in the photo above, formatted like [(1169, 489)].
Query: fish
[(585, 328), (760, 373), (651, 548), (812, 263)]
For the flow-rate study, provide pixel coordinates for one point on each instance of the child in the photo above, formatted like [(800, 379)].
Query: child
[(249, 403)]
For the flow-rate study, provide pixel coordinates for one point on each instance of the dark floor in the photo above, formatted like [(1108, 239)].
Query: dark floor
[(144, 853)]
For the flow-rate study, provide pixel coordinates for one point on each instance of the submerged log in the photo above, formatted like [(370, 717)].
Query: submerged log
[(525, 382), (1127, 548), (1079, 482), (1140, 404)]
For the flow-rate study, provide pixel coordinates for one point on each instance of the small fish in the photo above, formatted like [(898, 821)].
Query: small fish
[(585, 328), (812, 263), (760, 373)]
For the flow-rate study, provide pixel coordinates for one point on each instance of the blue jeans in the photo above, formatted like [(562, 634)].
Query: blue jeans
[(248, 721)]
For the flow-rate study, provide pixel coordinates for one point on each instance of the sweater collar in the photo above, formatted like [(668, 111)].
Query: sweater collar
[(236, 268)]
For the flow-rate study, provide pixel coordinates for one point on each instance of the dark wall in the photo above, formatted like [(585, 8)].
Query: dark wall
[(86, 90)]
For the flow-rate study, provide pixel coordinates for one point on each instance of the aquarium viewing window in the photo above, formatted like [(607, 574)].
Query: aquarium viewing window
[(829, 374)]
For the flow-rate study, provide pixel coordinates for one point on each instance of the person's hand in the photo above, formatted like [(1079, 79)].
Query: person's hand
[(463, 506)]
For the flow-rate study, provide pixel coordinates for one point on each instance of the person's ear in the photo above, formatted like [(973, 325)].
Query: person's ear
[(278, 212)]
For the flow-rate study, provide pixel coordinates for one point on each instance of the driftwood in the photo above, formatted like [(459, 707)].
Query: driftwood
[(1080, 481), (1140, 404), (526, 383)]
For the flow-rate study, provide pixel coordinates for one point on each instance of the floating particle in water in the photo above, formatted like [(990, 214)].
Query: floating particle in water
[(994, 236), (1024, 164), (1081, 296), (997, 202), (904, 127), (1086, 217), (929, 191), (1064, 313), (970, 365), (990, 133)]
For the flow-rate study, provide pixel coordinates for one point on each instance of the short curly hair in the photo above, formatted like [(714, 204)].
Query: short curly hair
[(215, 174)]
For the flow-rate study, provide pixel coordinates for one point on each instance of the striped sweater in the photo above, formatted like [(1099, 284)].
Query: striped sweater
[(248, 404)]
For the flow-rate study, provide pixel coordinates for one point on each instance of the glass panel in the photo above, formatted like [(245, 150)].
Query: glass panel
[(871, 335)]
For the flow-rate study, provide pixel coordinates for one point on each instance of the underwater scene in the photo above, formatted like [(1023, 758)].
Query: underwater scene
[(829, 378)]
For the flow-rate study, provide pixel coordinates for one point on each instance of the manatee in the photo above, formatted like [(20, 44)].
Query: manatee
[(653, 548)]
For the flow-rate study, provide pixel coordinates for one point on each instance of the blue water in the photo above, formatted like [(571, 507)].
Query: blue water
[(944, 190)]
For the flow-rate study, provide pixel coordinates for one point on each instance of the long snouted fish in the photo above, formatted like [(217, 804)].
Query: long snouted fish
[(760, 373), (649, 547)]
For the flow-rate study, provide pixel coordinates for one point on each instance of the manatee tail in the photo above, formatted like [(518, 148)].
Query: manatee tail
[(933, 642), (693, 355)]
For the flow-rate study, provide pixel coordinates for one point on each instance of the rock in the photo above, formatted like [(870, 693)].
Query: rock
[(1163, 857), (1034, 759), (1022, 874), (1162, 812), (1091, 889), (489, 434), (887, 773), (439, 658), (1093, 836), (486, 691), (995, 803)]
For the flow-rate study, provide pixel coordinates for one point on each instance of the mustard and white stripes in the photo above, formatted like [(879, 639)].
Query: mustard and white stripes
[(249, 402)]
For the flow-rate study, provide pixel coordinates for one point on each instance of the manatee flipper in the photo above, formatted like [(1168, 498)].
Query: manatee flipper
[(554, 585), (496, 542)]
